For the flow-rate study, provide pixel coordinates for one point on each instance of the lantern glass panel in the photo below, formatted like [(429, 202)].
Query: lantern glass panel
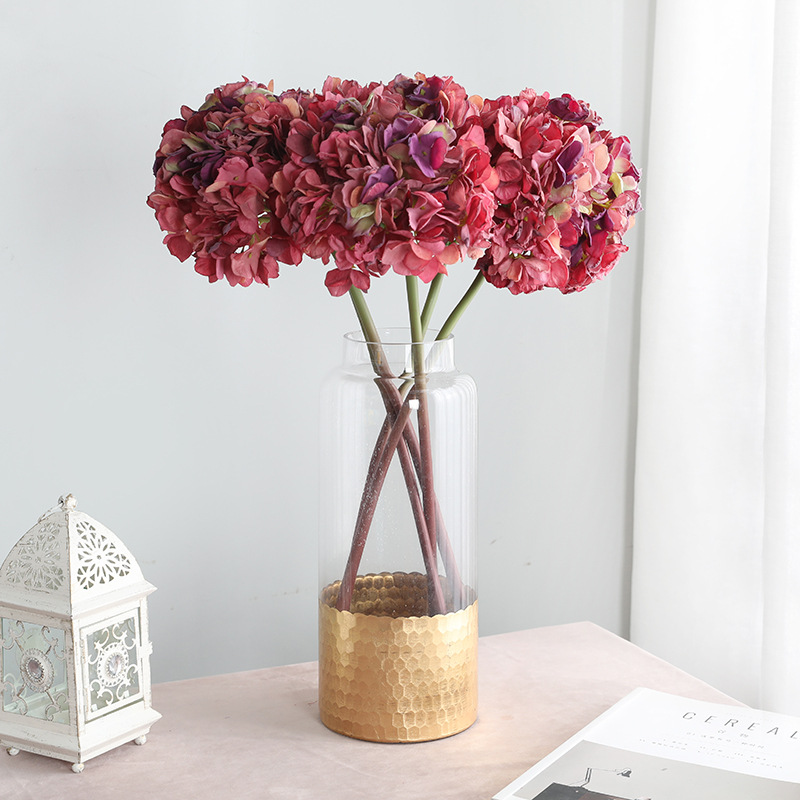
[(33, 665), (113, 663)]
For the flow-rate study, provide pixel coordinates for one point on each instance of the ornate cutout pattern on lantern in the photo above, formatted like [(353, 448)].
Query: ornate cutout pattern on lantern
[(38, 560), (99, 560)]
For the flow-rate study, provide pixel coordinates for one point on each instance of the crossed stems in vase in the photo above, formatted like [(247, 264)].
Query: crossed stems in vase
[(398, 435)]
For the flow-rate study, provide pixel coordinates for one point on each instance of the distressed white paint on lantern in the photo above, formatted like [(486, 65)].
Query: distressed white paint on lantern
[(74, 642)]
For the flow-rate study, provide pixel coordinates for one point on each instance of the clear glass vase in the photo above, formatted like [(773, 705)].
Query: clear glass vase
[(398, 601)]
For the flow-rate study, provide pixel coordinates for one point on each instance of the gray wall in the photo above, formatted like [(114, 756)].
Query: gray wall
[(183, 415)]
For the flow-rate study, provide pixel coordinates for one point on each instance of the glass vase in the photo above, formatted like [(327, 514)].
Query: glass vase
[(398, 600)]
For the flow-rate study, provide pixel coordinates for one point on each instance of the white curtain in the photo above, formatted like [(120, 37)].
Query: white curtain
[(716, 566)]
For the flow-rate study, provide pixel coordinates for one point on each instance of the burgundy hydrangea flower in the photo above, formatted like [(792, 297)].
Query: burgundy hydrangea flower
[(389, 177), (409, 176), (214, 195), (566, 194)]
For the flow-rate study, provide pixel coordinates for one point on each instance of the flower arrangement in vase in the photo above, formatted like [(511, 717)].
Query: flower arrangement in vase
[(411, 177)]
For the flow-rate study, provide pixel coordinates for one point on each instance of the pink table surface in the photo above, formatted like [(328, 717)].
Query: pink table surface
[(258, 735)]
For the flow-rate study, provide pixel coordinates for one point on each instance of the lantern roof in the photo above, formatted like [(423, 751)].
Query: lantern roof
[(68, 564)]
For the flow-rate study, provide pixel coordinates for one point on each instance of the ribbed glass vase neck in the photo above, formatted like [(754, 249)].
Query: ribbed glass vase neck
[(394, 351)]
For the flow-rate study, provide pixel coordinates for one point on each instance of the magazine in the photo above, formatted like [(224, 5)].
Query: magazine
[(656, 746)]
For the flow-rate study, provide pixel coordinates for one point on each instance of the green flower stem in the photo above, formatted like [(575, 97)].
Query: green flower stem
[(414, 453), (423, 417), (414, 315), (409, 449), (370, 331), (424, 464), (463, 305), (443, 540), (364, 315), (430, 301), (395, 402)]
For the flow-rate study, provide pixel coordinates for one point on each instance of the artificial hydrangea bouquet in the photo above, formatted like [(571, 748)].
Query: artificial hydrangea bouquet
[(410, 176)]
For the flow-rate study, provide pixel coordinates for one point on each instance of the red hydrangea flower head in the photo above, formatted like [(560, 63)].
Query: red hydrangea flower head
[(382, 178), (566, 193), (410, 176), (214, 196)]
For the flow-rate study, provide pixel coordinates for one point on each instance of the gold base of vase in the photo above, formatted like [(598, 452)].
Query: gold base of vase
[(387, 672)]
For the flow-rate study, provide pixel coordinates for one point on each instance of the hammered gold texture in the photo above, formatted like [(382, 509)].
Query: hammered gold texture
[(387, 672)]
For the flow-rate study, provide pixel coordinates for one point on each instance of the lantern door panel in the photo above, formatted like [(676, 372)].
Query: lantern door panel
[(33, 670), (112, 664)]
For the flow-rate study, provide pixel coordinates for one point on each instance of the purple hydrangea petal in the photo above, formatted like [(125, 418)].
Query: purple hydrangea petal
[(378, 184)]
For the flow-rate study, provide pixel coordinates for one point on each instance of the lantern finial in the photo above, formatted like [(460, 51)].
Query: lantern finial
[(67, 502)]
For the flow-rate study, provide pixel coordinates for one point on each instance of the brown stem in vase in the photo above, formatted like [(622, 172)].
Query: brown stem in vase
[(379, 463), (436, 600), (449, 562), (411, 463), (439, 532), (369, 500), (389, 440), (429, 521), (423, 419), (408, 452)]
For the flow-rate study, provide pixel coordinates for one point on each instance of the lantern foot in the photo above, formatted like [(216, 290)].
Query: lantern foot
[(12, 751), (78, 767), (140, 740)]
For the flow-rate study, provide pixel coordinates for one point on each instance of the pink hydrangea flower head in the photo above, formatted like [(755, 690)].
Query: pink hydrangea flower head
[(383, 180), (566, 193), (408, 176), (214, 196)]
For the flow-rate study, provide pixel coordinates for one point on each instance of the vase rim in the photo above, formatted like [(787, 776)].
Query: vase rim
[(396, 336)]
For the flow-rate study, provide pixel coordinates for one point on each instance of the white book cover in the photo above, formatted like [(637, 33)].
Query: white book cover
[(656, 746)]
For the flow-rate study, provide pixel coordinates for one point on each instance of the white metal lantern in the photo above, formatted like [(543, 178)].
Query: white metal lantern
[(74, 643)]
